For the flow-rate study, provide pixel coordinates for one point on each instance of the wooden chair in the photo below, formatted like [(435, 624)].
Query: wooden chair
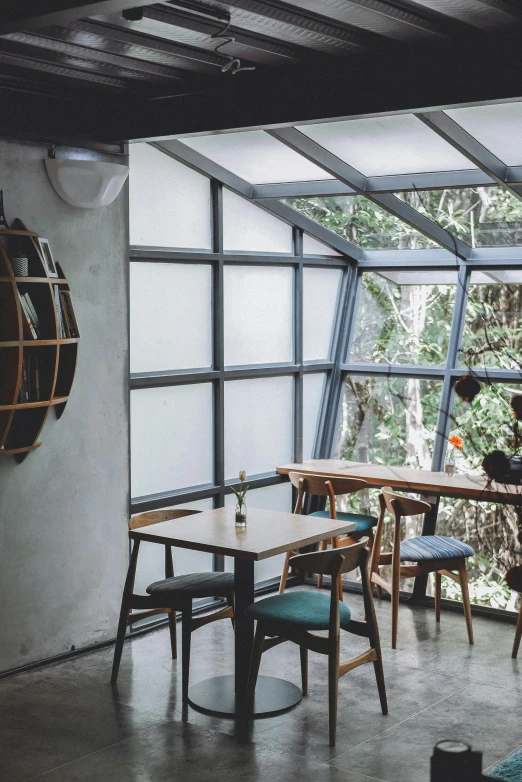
[(291, 617), (431, 554), (518, 633), (514, 580), (331, 487), (172, 594)]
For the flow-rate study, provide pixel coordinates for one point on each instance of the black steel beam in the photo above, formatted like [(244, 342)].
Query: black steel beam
[(455, 135), (509, 7), (32, 14), (350, 176), (418, 18)]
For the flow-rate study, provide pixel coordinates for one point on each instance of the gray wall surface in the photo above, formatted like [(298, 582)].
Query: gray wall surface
[(63, 512)]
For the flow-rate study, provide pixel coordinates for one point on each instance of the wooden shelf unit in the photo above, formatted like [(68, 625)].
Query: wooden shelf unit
[(22, 422)]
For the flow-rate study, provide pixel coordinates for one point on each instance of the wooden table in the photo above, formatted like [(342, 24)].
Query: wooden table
[(267, 533), (431, 485)]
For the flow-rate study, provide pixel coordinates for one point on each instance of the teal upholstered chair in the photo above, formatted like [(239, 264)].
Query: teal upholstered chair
[(331, 487), (419, 556), (297, 615)]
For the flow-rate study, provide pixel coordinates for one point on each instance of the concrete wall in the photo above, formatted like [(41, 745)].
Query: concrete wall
[(63, 512)]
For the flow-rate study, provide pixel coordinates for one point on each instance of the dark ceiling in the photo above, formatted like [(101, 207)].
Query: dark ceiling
[(81, 71)]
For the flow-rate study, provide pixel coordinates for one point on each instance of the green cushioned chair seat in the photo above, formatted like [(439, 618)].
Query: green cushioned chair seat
[(361, 521), (299, 610)]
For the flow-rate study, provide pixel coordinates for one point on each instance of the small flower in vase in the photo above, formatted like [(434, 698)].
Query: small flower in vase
[(457, 444), (241, 509)]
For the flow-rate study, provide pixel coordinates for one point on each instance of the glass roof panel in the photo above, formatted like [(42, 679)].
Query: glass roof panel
[(361, 222), (257, 157), (381, 146), (436, 277), (497, 127), (480, 216)]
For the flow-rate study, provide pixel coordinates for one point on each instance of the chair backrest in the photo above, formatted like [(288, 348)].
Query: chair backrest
[(323, 486), (155, 516), (331, 562), (399, 506)]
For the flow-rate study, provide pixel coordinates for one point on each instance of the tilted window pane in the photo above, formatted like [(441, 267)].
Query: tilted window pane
[(378, 146), (320, 300), (402, 324), (480, 216), (257, 157), (361, 222), (151, 559), (169, 203), (493, 327), (170, 316), (277, 497), (484, 425), (248, 228), (258, 425), (171, 438), (258, 314), (496, 127), (312, 247), (313, 387)]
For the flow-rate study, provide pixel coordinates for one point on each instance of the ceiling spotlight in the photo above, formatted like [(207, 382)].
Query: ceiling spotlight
[(133, 14)]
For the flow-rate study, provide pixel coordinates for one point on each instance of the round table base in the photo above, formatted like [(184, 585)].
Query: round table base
[(217, 697)]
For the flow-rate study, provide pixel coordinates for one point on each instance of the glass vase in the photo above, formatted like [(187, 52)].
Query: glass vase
[(449, 466), (241, 514)]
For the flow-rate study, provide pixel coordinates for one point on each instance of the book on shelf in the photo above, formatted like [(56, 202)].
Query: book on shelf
[(33, 313), (59, 315), (70, 319), (30, 379), (30, 330)]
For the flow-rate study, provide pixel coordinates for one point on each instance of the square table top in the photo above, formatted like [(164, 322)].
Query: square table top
[(267, 532), (473, 487)]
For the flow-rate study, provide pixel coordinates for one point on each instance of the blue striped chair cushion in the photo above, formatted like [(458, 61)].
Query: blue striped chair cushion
[(362, 522), (429, 547), (299, 610), (193, 585)]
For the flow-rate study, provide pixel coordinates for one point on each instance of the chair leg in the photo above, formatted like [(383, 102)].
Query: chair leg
[(284, 574), (333, 690), (120, 638), (257, 653), (186, 632), (438, 591), (230, 603), (518, 633), (395, 598), (463, 573), (173, 633), (303, 651)]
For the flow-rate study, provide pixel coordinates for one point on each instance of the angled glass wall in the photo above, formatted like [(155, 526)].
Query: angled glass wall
[(316, 291)]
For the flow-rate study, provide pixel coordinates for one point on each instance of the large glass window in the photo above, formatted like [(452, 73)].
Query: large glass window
[(403, 319)]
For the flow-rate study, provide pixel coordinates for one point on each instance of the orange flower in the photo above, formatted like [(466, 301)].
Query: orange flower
[(456, 441)]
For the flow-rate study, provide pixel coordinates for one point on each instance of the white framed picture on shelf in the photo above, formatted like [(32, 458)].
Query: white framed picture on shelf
[(47, 257)]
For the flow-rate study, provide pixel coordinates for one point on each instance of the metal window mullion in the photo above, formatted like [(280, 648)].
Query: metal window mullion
[(298, 354), (446, 402)]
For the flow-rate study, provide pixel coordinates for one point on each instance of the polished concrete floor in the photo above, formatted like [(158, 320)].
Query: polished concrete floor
[(64, 723)]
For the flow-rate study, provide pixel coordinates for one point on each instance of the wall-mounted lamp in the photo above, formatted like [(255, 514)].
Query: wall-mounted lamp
[(86, 183)]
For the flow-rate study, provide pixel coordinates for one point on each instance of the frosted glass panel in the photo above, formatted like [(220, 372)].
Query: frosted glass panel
[(312, 395), (171, 438), (170, 316), (151, 559), (312, 247), (497, 127), (247, 228), (320, 295), (258, 425), (270, 498), (387, 145), (257, 157), (258, 314), (169, 203)]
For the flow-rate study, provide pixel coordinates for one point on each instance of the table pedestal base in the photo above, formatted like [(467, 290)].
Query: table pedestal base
[(217, 697)]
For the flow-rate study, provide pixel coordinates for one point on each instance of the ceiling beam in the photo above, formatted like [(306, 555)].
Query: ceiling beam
[(32, 14), (510, 7), (203, 165), (470, 147), (350, 176), (417, 18)]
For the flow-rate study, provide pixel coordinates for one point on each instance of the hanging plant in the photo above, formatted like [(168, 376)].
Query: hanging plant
[(496, 465), (467, 388)]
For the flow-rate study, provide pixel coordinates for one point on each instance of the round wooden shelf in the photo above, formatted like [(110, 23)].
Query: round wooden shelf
[(32, 367)]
